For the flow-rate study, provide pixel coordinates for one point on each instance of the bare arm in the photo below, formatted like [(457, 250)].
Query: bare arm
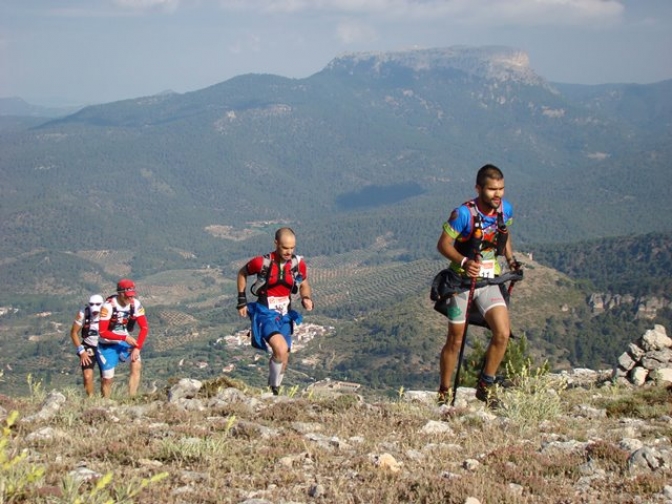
[(446, 246), (510, 259), (241, 283), (306, 293), (74, 334)]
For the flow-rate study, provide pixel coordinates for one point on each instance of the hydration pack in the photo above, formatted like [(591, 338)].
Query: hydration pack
[(86, 324), (469, 244), (260, 286), (114, 319)]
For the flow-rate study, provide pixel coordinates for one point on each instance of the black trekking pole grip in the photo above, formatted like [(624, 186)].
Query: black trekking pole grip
[(517, 269), (511, 284), (509, 290)]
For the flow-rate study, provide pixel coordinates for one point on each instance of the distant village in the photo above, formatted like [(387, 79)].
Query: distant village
[(303, 334)]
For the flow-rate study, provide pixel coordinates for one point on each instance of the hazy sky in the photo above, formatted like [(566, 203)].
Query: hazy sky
[(94, 51)]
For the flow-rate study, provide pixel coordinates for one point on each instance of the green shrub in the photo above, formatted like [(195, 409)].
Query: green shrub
[(537, 396), (517, 362), (17, 476)]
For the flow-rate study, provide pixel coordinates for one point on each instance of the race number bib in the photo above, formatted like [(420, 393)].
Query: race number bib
[(487, 269), (279, 304)]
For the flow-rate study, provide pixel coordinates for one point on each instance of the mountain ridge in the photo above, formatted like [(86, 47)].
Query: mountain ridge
[(222, 150), (144, 184), (489, 62), (16, 106)]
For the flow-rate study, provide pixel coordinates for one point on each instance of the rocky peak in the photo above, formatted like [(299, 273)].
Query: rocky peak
[(488, 62)]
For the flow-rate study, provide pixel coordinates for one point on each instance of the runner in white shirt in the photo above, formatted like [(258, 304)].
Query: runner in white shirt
[(86, 320)]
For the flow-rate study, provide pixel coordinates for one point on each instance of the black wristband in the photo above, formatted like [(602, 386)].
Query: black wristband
[(513, 264), (242, 300)]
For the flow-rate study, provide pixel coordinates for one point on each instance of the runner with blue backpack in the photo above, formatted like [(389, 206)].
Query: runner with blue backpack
[(473, 237), (280, 274)]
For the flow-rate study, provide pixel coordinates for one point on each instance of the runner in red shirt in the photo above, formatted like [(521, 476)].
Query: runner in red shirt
[(279, 275)]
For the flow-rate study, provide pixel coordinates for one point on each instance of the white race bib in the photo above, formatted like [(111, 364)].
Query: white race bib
[(487, 269), (279, 304)]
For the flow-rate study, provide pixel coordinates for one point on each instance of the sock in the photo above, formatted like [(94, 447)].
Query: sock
[(487, 379), (275, 373)]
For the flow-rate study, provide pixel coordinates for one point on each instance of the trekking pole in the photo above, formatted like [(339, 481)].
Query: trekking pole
[(470, 299), (509, 290), (477, 239), (513, 282)]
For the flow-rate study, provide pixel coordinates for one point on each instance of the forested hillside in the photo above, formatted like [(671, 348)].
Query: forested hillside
[(381, 129), (633, 270), (383, 331), (365, 160), (640, 265)]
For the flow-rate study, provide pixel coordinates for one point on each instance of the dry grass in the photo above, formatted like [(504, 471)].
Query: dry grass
[(336, 449)]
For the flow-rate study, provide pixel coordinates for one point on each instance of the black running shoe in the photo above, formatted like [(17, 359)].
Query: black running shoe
[(443, 397), (275, 390), (487, 393)]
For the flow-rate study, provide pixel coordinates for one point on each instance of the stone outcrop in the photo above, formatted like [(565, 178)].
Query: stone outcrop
[(649, 359), (645, 307)]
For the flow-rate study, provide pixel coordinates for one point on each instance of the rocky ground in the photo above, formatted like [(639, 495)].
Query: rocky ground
[(578, 437)]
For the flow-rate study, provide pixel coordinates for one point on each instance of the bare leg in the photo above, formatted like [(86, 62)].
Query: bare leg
[(134, 379), (449, 354), (498, 320), (106, 387), (87, 375)]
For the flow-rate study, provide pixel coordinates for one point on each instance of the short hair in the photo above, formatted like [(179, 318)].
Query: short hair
[(489, 171), (282, 232)]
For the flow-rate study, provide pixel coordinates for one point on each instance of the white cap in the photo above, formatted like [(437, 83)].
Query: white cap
[(96, 299)]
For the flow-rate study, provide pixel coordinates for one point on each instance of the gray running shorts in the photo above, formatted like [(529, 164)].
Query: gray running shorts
[(485, 298)]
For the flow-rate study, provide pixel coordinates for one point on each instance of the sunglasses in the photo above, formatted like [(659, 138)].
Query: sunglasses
[(95, 304)]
